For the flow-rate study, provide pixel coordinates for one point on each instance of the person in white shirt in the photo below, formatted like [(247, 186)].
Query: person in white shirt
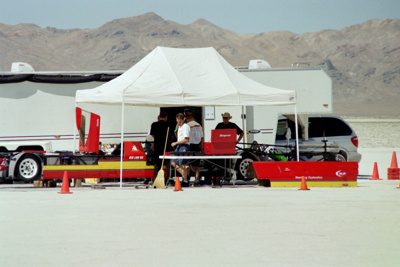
[(182, 145), (196, 143)]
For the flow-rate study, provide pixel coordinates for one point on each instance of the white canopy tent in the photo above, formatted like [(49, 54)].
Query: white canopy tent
[(184, 77)]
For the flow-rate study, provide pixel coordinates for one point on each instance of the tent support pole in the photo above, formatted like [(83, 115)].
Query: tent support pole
[(74, 145), (297, 133), (244, 126), (122, 143)]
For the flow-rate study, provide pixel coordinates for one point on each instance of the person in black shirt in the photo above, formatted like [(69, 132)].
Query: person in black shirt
[(159, 132), (226, 124)]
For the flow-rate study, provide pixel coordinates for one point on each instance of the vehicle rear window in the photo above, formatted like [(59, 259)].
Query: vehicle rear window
[(315, 127), (335, 127), (281, 130), (319, 127)]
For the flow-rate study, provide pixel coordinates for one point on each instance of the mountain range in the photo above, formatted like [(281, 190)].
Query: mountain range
[(363, 60)]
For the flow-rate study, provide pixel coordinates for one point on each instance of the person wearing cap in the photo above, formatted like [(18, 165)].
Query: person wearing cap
[(196, 143), (187, 112), (226, 124)]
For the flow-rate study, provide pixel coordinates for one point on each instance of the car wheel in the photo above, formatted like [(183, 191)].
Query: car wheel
[(28, 168), (243, 164), (340, 157)]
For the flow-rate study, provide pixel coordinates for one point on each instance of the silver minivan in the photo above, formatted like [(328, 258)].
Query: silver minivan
[(323, 129)]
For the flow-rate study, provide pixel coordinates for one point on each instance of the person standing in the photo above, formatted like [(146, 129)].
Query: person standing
[(158, 131), (226, 124), (149, 148), (186, 111), (196, 143), (182, 145)]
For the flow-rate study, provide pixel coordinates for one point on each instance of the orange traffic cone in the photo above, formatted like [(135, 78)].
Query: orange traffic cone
[(394, 161), (303, 185), (393, 173), (375, 173), (65, 185), (178, 186)]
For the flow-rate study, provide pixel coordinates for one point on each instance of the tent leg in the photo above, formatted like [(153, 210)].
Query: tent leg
[(74, 145), (297, 134), (122, 142), (244, 126)]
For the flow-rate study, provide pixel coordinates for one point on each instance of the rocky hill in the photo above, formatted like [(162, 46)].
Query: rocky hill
[(363, 60)]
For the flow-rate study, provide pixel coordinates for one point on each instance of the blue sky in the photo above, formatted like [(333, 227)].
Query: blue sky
[(242, 16)]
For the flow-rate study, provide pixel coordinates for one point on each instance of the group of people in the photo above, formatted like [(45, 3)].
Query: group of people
[(189, 137)]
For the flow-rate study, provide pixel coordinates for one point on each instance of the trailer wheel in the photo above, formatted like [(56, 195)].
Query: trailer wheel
[(243, 164), (28, 168)]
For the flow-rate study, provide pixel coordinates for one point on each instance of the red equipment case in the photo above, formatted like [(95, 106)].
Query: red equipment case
[(223, 142)]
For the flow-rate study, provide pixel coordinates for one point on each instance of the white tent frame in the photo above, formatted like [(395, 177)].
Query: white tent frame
[(183, 103)]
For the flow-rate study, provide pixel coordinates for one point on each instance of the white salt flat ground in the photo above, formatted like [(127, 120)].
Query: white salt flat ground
[(383, 158), (243, 226)]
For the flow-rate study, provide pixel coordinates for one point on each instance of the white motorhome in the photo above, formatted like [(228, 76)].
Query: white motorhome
[(38, 107)]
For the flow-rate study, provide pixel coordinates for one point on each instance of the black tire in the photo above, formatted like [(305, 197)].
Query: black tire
[(28, 168), (242, 165), (341, 157)]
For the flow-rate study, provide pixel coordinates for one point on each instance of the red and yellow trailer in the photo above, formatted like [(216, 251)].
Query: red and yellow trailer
[(89, 163), (99, 166), (316, 173)]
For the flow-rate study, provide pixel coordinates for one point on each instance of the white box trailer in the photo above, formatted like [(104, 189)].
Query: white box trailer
[(43, 110), (314, 96)]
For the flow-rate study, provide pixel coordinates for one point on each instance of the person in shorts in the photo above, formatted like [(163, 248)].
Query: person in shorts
[(196, 143), (182, 145)]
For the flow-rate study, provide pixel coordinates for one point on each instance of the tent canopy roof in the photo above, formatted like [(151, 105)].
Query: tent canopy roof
[(185, 77)]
